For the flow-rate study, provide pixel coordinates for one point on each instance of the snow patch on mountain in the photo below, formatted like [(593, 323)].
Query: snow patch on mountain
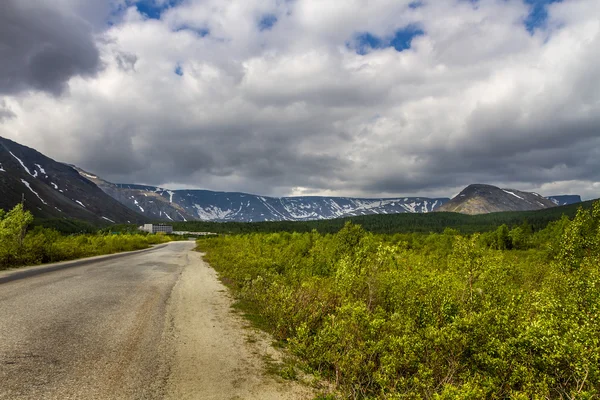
[(32, 191), (184, 219), (42, 170), (88, 175), (509, 192), (22, 164), (138, 204), (410, 207), (211, 213)]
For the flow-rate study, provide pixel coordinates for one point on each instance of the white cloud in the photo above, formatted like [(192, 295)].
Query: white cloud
[(295, 109)]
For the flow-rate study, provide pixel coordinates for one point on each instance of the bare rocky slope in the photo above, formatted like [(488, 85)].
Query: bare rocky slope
[(54, 190), (484, 199)]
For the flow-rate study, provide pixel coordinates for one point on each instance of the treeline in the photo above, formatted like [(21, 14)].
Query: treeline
[(439, 316), (435, 222), (22, 246), (67, 226), (383, 223)]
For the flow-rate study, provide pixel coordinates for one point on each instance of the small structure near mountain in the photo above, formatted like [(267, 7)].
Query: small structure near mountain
[(151, 228)]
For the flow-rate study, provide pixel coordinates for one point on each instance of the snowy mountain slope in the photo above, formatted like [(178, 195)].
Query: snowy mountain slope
[(180, 205), (150, 201), (185, 205), (564, 200), (52, 189), (220, 206)]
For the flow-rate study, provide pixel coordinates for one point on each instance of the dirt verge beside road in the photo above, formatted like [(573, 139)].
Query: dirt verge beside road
[(217, 354)]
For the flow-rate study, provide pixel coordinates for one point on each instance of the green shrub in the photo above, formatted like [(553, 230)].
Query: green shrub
[(439, 316), (42, 245)]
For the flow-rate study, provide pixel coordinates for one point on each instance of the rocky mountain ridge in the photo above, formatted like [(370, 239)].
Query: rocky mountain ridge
[(181, 205), (51, 189), (185, 205), (484, 199)]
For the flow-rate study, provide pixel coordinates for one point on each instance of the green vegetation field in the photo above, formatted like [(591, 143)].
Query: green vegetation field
[(20, 246), (509, 313)]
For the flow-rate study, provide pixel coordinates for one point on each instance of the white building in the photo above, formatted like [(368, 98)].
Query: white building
[(151, 228)]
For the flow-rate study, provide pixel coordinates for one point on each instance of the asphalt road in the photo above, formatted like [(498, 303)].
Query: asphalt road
[(94, 331), (150, 325)]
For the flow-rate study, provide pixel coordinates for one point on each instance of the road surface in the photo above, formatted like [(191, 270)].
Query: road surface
[(153, 325)]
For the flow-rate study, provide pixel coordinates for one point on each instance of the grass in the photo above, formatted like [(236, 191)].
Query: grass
[(251, 313)]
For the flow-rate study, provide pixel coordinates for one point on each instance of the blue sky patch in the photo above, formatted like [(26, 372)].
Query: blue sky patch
[(152, 9), (401, 40), (179, 70), (538, 14), (404, 37), (267, 22)]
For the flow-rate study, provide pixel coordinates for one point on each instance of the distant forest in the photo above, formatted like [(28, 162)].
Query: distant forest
[(435, 222)]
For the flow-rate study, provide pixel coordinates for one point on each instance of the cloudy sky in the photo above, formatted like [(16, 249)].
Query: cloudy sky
[(290, 97)]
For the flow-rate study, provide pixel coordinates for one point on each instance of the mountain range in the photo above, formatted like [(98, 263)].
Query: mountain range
[(182, 205), (55, 190)]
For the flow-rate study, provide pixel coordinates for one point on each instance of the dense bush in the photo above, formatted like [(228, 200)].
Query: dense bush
[(41, 245), (439, 316)]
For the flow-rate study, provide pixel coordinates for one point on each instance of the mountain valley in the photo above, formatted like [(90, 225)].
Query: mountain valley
[(55, 190)]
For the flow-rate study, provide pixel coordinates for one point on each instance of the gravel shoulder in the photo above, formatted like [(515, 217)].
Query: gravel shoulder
[(217, 354)]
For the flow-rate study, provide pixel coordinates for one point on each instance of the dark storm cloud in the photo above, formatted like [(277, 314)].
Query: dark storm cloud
[(113, 153), (501, 147), (256, 161), (42, 47)]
